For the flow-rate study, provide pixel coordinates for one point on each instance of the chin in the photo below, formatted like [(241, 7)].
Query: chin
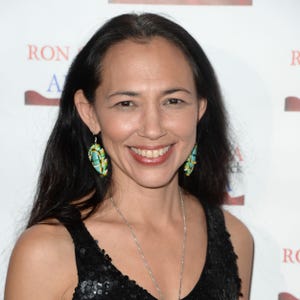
[(155, 181)]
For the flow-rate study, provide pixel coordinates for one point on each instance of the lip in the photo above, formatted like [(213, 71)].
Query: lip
[(150, 147), (151, 160)]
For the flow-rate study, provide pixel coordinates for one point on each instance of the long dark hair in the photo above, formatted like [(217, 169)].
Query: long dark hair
[(67, 175)]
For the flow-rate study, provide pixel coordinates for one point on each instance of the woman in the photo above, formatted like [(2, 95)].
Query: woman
[(137, 164)]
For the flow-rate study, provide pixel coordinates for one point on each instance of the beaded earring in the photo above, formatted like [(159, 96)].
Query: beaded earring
[(190, 162), (98, 158)]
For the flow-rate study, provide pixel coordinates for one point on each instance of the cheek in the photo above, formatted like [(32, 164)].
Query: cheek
[(115, 129), (185, 125)]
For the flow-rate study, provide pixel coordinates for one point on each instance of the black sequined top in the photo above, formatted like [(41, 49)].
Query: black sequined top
[(99, 279)]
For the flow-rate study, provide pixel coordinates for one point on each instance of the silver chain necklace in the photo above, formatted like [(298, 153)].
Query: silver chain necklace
[(141, 252)]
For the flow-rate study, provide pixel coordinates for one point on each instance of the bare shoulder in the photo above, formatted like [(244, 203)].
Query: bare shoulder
[(40, 264), (243, 244), (237, 229), (41, 242)]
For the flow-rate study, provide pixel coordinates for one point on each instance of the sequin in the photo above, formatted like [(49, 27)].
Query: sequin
[(99, 279), (82, 251)]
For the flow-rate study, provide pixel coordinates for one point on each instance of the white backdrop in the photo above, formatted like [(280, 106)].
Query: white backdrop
[(255, 50)]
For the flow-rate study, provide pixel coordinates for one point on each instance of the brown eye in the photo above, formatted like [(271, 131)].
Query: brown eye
[(125, 103), (174, 101)]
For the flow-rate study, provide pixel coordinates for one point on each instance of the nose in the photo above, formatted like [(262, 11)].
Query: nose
[(152, 123)]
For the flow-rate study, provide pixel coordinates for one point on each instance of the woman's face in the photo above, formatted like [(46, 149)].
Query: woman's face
[(147, 110)]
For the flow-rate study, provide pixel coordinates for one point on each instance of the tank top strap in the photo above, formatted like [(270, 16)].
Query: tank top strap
[(221, 257), (87, 252), (76, 227)]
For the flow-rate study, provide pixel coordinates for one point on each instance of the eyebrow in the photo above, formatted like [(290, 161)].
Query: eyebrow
[(134, 94), (174, 90), (123, 93)]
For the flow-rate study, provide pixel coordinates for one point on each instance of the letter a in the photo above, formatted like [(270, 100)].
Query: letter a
[(54, 84)]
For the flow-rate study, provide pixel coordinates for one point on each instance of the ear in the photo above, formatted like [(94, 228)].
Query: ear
[(86, 112), (202, 108)]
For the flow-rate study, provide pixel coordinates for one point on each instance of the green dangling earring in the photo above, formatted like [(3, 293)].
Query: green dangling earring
[(98, 158), (190, 162)]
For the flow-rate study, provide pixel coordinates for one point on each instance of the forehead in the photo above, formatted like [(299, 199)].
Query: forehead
[(147, 41), (155, 59)]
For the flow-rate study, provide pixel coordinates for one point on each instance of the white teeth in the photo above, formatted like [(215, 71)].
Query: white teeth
[(151, 153)]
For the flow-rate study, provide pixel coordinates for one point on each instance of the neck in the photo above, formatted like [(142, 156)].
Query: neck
[(149, 205)]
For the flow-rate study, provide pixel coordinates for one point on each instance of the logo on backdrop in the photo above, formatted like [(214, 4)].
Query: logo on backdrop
[(287, 296), (292, 103), (53, 83), (291, 256), (295, 61), (191, 2), (48, 53), (235, 190)]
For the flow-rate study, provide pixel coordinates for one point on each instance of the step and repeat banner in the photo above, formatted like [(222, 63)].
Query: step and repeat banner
[(254, 46)]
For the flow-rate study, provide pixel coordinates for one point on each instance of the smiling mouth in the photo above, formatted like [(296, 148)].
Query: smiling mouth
[(147, 153)]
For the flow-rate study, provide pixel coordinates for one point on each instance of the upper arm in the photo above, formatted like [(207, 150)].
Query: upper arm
[(34, 271), (243, 244)]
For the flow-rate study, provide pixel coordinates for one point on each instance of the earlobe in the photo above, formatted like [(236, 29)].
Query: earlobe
[(86, 112), (202, 108)]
